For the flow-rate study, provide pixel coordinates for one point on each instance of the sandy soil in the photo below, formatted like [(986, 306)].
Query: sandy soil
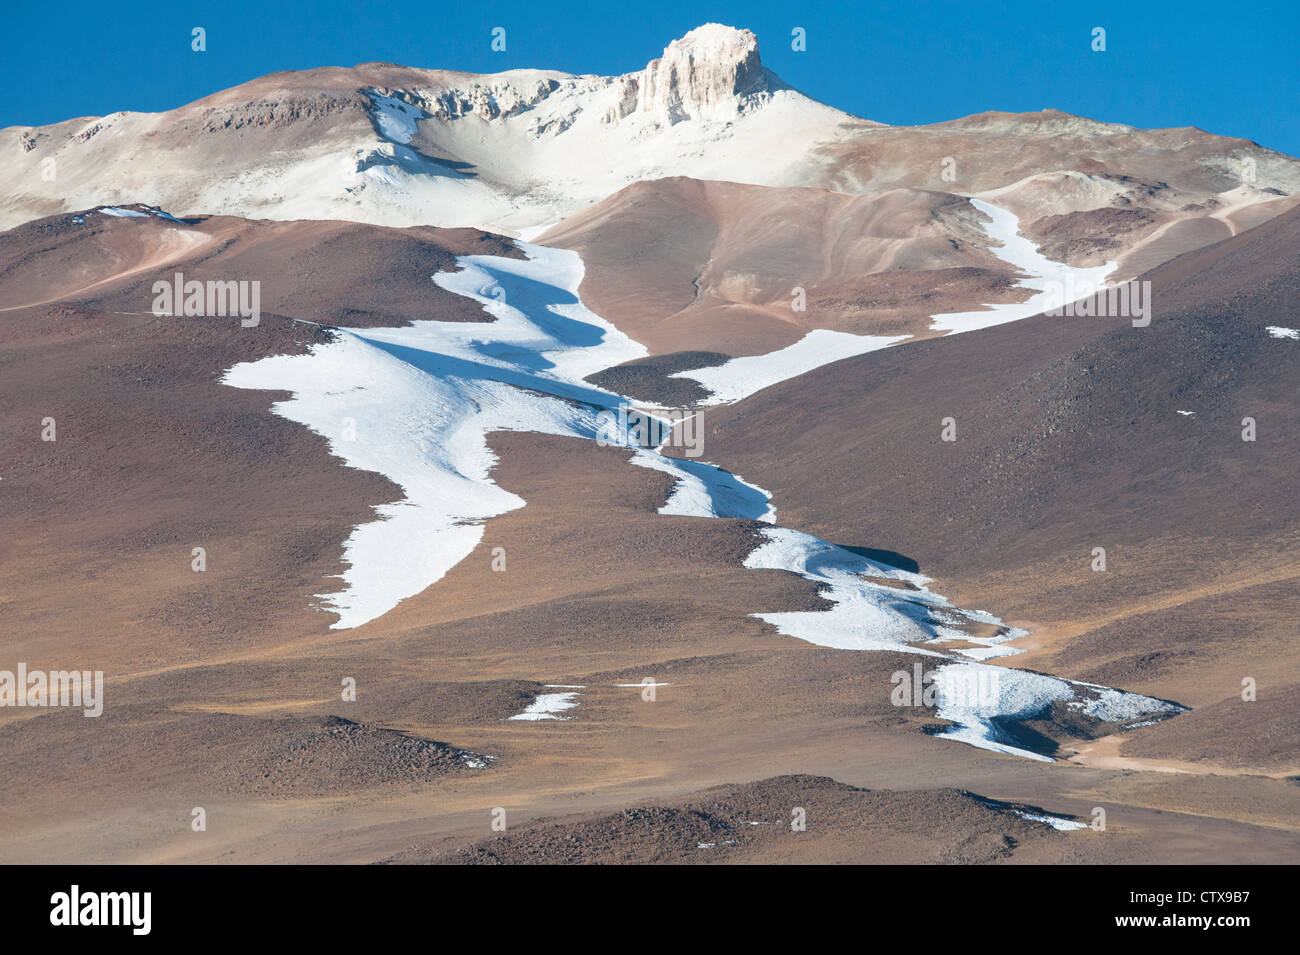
[(224, 689)]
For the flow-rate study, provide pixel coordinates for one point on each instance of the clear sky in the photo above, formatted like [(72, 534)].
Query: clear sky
[(1230, 68)]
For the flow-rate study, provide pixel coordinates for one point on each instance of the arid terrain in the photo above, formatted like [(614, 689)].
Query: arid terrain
[(420, 370)]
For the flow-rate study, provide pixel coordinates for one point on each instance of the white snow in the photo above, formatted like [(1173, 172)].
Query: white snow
[(1116, 706), (547, 706), (990, 647), (541, 145), (703, 490), (1018, 694), (1021, 695), (1056, 822), (869, 615), (121, 213), (1185, 413), (532, 232), (866, 615), (424, 432), (741, 377), (416, 404), (395, 118), (1045, 277), (1278, 331)]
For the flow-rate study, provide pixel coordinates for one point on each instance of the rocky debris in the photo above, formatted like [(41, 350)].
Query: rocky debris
[(489, 99), (335, 752), (270, 113), (753, 821)]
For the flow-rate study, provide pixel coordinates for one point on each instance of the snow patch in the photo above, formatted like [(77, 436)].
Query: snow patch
[(703, 490), (395, 118), (741, 377), (532, 232), (416, 404), (547, 706), (866, 615), (985, 719), (150, 211), (1044, 275), (1056, 822)]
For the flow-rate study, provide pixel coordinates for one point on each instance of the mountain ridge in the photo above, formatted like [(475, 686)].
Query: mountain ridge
[(524, 149)]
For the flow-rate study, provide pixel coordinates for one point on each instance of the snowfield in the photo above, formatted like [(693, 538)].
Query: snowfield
[(982, 718), (549, 706), (395, 119), (417, 404), (741, 377), (1048, 279), (867, 615)]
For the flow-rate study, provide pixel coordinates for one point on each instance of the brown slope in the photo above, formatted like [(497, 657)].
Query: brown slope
[(319, 271), (686, 264), (153, 456), (1050, 140), (1088, 192), (1069, 438), (752, 824), (599, 590)]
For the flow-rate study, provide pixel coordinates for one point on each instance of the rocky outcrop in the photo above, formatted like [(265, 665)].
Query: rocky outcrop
[(713, 72), (486, 100)]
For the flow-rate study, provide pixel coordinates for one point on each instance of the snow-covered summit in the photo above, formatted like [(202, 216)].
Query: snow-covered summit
[(713, 72), (525, 148)]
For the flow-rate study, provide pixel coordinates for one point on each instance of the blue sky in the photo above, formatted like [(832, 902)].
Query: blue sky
[(1228, 68)]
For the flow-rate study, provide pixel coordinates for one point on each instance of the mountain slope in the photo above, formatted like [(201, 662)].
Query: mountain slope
[(524, 149), (683, 264), (1074, 434)]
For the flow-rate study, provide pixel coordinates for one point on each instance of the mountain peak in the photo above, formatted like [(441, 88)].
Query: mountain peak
[(713, 72), (714, 42)]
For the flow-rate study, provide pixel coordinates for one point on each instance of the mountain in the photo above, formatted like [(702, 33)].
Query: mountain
[(324, 272), (521, 150), (1072, 434), (684, 264), (400, 478), (400, 146)]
